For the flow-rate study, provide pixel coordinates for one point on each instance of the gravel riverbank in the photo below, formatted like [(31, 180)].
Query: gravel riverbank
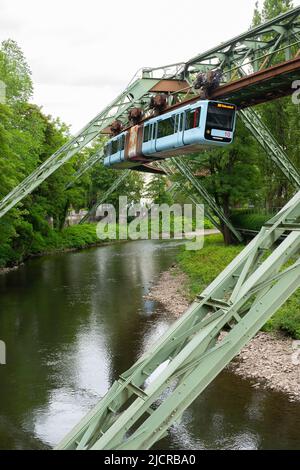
[(266, 360)]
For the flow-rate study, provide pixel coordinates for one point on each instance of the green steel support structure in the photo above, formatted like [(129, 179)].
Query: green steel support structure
[(272, 148), (138, 409), (183, 167), (257, 49), (133, 414), (104, 197), (97, 157), (116, 110)]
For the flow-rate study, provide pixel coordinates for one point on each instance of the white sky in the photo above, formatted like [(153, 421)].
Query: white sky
[(83, 53)]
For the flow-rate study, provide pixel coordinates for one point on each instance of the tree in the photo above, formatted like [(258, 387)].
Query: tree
[(156, 190), (231, 174), (15, 72), (281, 117)]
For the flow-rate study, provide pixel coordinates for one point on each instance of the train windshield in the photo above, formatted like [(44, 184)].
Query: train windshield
[(220, 116)]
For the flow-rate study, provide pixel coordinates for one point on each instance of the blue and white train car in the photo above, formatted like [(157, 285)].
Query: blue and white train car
[(183, 130)]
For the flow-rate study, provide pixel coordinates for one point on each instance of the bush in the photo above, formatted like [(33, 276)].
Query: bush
[(249, 221), (203, 266)]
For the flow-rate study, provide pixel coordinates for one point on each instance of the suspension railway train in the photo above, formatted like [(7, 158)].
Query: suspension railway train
[(184, 130)]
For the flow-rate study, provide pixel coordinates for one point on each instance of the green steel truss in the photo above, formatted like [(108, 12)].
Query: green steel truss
[(257, 49), (193, 188), (97, 157), (183, 167), (132, 96), (272, 148), (137, 412), (133, 415), (124, 174)]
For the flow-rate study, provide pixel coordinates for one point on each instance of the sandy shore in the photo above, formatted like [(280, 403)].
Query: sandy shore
[(266, 360)]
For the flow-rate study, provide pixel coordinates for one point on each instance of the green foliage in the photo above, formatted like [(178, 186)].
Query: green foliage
[(282, 118), (27, 139), (231, 174), (287, 318), (15, 72), (204, 265), (156, 190), (250, 221)]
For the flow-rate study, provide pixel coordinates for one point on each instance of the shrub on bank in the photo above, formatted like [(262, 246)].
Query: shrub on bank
[(30, 243), (250, 221)]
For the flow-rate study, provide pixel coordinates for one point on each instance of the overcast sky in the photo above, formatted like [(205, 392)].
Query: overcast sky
[(83, 53)]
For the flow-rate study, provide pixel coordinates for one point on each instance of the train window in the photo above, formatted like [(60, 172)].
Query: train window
[(192, 118), (107, 149), (220, 118), (122, 142), (114, 146), (165, 127), (146, 135)]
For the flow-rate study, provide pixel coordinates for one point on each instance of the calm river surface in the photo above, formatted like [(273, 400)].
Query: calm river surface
[(73, 322)]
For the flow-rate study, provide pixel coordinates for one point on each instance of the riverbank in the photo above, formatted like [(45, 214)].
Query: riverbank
[(266, 360), (73, 238)]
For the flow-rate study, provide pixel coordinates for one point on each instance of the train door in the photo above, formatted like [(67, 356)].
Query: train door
[(179, 125)]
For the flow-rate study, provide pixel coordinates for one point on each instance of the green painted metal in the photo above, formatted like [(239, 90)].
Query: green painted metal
[(116, 110), (136, 412), (254, 50), (104, 197), (190, 191), (133, 414), (272, 148)]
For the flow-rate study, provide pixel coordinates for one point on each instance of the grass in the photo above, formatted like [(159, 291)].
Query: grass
[(204, 265)]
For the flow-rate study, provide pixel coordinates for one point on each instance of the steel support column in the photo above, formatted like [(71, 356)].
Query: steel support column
[(213, 207), (129, 98), (272, 148), (104, 196)]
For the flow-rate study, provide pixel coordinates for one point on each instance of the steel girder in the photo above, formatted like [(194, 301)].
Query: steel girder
[(97, 157), (213, 208), (104, 196), (272, 148), (254, 50), (140, 407), (116, 110), (185, 188)]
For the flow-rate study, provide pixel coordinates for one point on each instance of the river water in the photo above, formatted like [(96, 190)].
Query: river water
[(73, 322)]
